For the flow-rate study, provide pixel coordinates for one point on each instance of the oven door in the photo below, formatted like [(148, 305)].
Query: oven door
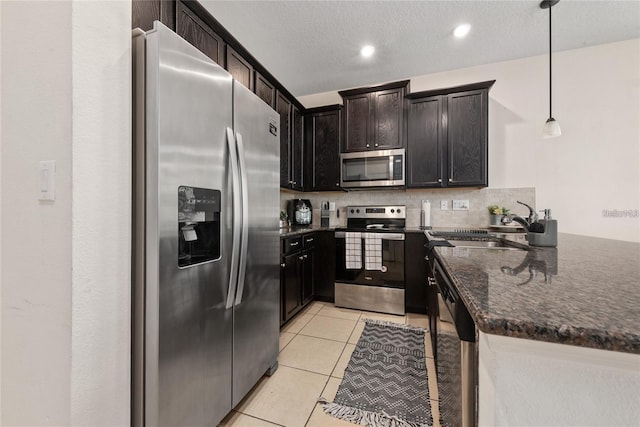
[(392, 273)]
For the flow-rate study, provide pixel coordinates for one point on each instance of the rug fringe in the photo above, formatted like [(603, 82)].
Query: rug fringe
[(395, 325), (366, 418)]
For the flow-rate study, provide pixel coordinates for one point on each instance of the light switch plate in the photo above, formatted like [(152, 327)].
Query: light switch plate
[(47, 179), (444, 205), (460, 205)]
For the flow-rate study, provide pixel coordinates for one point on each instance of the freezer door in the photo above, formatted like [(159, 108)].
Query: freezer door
[(188, 330), (256, 324)]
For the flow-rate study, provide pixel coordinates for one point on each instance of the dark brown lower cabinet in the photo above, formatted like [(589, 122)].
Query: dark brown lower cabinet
[(415, 274), (290, 286), (325, 266), (297, 274)]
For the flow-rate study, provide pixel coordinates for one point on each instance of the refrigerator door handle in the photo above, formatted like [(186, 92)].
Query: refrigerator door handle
[(235, 251), (245, 219)]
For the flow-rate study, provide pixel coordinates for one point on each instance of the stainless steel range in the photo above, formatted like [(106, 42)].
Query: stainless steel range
[(370, 259)]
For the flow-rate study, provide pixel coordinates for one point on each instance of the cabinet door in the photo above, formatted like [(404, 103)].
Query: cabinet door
[(357, 113), (296, 150), (424, 143), (239, 68), (283, 107), (195, 31), (415, 273), (467, 129), (291, 285), (144, 12), (325, 149), (388, 119), (265, 90), (325, 266), (307, 275)]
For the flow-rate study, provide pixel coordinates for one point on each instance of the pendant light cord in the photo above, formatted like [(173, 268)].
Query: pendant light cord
[(550, 7)]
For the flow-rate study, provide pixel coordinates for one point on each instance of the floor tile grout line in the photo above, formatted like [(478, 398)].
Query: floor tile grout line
[(258, 418)]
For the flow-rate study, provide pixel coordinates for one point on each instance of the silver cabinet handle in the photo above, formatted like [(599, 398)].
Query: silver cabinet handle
[(439, 180), (367, 145), (450, 179), (337, 184), (306, 256), (282, 265), (300, 258), (309, 240), (294, 243)]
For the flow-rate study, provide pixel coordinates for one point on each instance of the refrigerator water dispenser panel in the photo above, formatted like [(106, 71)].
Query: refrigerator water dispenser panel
[(198, 225)]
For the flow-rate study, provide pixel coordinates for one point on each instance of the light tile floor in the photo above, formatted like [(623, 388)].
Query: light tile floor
[(315, 348)]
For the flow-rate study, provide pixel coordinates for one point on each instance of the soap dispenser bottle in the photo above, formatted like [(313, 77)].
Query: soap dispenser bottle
[(549, 236)]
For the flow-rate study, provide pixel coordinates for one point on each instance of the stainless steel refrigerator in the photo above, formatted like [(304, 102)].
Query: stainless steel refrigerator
[(206, 241)]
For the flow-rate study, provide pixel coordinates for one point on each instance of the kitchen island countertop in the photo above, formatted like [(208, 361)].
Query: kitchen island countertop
[(585, 292)]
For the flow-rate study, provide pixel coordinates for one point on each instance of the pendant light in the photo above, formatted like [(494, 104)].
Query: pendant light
[(551, 127)]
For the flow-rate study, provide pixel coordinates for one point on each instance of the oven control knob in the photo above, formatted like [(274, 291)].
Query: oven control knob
[(392, 211), (398, 211), (357, 210), (351, 210)]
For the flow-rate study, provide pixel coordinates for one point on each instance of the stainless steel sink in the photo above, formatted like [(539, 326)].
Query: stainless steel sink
[(485, 244)]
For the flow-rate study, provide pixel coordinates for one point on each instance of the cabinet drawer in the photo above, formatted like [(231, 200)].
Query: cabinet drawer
[(291, 245), (308, 240)]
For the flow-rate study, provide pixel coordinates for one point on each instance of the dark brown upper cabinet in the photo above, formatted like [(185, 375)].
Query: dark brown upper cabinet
[(283, 107), (265, 90), (194, 30), (424, 142), (144, 12), (239, 68), (296, 150), (447, 143), (374, 117), (322, 144)]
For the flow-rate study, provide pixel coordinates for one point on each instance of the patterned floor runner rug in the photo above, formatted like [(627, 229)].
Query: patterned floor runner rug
[(385, 383)]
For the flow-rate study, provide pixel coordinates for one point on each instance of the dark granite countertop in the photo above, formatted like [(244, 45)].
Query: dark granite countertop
[(585, 292), (299, 231)]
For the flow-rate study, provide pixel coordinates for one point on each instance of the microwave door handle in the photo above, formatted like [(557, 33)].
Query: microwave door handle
[(390, 167), (233, 161), (245, 220)]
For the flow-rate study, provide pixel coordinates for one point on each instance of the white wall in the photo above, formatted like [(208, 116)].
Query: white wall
[(101, 213), (65, 300), (36, 236), (594, 165)]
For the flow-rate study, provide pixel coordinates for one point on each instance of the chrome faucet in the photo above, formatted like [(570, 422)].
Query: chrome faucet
[(526, 223)]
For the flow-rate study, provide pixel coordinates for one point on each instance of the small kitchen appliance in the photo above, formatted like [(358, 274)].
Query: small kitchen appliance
[(377, 168), (300, 212)]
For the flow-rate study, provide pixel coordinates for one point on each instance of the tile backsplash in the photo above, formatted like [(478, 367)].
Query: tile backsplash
[(476, 216)]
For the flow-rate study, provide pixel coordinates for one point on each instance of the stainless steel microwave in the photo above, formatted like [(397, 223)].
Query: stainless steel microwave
[(379, 168)]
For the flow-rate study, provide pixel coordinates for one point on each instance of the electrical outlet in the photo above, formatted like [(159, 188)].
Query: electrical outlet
[(460, 205), (444, 205)]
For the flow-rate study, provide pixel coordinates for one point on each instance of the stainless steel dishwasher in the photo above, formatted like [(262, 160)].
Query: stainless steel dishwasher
[(463, 405)]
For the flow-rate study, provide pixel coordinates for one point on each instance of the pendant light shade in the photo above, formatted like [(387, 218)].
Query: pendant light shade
[(551, 127)]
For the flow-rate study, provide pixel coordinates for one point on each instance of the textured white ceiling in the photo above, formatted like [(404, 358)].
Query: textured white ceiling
[(313, 46)]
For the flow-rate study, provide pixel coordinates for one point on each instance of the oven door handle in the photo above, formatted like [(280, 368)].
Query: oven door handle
[(385, 236)]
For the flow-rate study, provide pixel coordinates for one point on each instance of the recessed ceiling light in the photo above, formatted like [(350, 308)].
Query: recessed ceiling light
[(367, 51), (461, 30)]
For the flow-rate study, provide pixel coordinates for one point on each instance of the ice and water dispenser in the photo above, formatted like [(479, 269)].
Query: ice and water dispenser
[(198, 225)]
